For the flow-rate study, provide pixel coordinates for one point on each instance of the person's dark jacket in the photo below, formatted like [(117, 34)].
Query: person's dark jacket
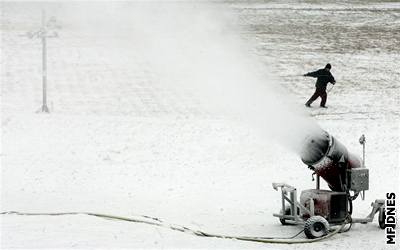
[(323, 78)]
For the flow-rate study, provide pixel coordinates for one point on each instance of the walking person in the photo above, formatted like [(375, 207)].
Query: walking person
[(323, 76)]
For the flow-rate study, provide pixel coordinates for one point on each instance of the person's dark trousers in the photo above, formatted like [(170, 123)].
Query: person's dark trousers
[(319, 92)]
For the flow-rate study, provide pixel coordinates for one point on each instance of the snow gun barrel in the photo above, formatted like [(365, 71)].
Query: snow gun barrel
[(329, 159)]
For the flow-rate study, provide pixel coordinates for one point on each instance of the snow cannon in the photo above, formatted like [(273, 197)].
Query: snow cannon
[(329, 159), (347, 178)]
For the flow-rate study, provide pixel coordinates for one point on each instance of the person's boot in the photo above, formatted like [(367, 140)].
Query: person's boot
[(322, 106), (308, 105)]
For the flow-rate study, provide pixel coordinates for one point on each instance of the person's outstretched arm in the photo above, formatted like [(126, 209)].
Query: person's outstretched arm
[(312, 74)]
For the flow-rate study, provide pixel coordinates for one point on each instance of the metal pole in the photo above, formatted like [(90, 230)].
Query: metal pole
[(318, 182), (364, 154), (44, 63)]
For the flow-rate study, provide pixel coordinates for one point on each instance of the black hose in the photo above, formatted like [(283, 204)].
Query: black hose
[(160, 223)]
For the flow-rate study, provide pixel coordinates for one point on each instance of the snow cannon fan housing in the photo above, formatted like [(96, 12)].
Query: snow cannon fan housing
[(329, 159)]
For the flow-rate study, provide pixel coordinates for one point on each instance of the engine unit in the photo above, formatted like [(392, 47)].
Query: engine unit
[(328, 204)]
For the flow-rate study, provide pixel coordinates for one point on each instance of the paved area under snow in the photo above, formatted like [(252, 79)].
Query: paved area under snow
[(120, 141)]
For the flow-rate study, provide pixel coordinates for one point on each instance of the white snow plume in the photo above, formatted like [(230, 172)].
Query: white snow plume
[(197, 48)]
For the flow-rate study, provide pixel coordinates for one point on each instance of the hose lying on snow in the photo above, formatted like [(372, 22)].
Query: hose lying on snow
[(157, 222)]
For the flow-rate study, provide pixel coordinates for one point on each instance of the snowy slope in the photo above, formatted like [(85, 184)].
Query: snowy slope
[(119, 141)]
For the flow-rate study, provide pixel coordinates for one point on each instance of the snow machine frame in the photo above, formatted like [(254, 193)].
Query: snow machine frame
[(289, 195), (317, 221)]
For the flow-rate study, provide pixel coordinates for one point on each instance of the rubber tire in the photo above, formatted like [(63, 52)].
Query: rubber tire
[(288, 212), (381, 218), (316, 227)]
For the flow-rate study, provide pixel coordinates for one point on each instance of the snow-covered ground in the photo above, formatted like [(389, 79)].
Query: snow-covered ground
[(119, 141)]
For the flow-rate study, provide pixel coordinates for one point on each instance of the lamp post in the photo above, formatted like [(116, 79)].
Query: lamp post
[(43, 33)]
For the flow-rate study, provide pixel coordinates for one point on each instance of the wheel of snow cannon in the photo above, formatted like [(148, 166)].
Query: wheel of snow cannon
[(315, 227), (381, 218), (287, 212)]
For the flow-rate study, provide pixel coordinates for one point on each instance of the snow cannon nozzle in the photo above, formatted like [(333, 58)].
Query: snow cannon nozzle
[(329, 159), (315, 147)]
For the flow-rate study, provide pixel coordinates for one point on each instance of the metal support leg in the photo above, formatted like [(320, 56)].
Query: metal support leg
[(376, 206), (289, 195), (283, 201), (292, 205)]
